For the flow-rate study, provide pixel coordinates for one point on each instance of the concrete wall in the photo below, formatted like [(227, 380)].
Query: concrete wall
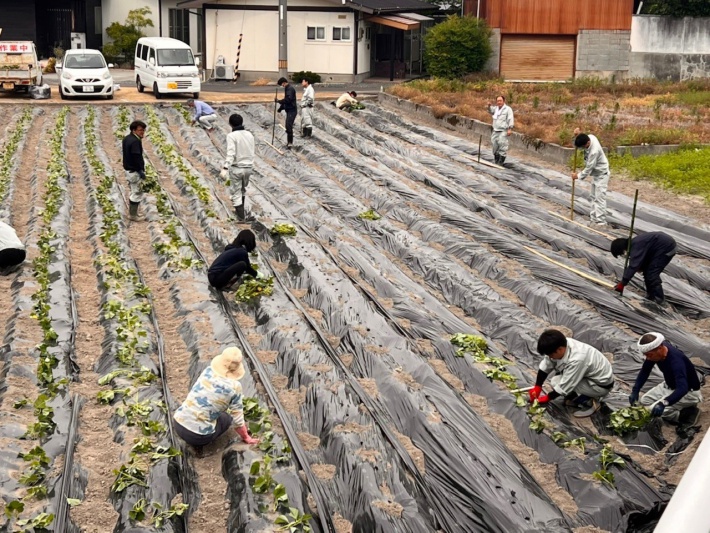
[(603, 53), (668, 48), (493, 64), (117, 11)]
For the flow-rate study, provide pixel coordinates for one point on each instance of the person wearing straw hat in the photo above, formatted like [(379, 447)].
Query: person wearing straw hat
[(677, 397), (214, 403)]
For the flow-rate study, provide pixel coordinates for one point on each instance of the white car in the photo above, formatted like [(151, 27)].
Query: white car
[(85, 73)]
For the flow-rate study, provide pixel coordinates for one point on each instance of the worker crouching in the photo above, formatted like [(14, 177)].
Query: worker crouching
[(214, 403), (583, 376), (677, 397)]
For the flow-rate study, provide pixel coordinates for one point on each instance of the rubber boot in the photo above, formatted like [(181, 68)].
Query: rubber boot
[(133, 211), (501, 160), (242, 215), (310, 132), (496, 158), (289, 140)]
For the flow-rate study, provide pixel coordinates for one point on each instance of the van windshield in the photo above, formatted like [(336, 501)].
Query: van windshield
[(84, 61), (176, 58)]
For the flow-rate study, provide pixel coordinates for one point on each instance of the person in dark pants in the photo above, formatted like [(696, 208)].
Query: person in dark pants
[(650, 253), (233, 262), (676, 398), (288, 104), (12, 251), (134, 166), (214, 403)]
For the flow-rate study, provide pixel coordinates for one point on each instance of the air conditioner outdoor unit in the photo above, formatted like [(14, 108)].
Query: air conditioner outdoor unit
[(223, 72)]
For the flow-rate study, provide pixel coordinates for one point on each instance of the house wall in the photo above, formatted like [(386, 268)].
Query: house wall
[(603, 53), (364, 50), (117, 11), (18, 21), (493, 63), (555, 17), (259, 55), (668, 48)]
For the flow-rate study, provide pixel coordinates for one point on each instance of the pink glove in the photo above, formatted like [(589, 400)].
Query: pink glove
[(543, 400), (244, 434)]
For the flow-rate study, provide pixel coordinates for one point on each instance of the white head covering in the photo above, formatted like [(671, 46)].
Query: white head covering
[(645, 348)]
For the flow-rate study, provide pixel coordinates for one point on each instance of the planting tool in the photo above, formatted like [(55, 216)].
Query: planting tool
[(523, 389), (272, 146), (273, 129), (480, 138), (631, 230), (602, 282), (574, 169)]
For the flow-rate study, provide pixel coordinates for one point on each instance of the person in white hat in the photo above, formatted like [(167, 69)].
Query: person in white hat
[(677, 396), (214, 403)]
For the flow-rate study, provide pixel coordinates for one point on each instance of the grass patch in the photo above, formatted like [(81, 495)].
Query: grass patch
[(635, 136), (693, 98), (683, 171)]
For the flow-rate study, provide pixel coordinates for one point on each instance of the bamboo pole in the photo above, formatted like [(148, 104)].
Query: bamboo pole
[(631, 231), (273, 129), (479, 148), (574, 170), (602, 282), (581, 225)]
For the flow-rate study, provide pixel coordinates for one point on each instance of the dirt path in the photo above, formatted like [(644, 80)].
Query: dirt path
[(96, 452), (210, 513)]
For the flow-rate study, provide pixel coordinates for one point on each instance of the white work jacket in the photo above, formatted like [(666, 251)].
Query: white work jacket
[(308, 97), (9, 239), (240, 149), (596, 163), (580, 361), (502, 119)]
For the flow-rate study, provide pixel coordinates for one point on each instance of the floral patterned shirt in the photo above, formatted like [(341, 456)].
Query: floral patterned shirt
[(210, 396)]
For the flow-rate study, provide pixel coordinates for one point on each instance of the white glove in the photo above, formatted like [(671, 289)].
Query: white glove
[(224, 173), (260, 275)]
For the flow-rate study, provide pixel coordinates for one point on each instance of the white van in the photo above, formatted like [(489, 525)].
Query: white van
[(166, 66)]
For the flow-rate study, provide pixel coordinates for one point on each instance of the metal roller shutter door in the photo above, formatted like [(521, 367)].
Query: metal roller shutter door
[(533, 58)]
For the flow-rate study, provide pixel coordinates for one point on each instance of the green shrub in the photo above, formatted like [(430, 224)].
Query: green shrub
[(301, 75), (456, 47), (636, 136), (125, 36)]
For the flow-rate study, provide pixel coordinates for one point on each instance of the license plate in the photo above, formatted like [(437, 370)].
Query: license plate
[(88, 88), (172, 85), (8, 85)]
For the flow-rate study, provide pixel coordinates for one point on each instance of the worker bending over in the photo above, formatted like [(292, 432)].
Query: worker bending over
[(203, 114), (12, 251), (650, 253), (596, 166), (583, 374), (346, 101), (233, 262)]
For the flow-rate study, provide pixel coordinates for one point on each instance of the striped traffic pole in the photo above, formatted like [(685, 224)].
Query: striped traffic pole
[(236, 66)]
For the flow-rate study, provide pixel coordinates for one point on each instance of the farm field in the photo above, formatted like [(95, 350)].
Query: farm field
[(370, 418)]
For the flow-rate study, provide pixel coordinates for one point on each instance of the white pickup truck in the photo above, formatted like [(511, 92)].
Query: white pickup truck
[(19, 67)]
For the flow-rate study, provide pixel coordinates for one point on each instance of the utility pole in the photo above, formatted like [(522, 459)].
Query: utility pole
[(283, 40)]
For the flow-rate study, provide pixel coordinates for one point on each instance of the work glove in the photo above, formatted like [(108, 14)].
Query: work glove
[(260, 275), (633, 397), (543, 400), (619, 288), (535, 393), (224, 173), (244, 434), (658, 409)]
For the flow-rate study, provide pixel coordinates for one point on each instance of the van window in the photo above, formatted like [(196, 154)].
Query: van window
[(138, 50), (151, 53), (144, 54), (177, 57)]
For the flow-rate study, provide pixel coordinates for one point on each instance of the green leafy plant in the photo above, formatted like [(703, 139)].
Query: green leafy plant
[(260, 475), (9, 149), (183, 112), (41, 521), (628, 419), (294, 521), (563, 441), (251, 288), (287, 230), (473, 344), (536, 413), (14, 508), (129, 474), (160, 515), (457, 46), (138, 511), (607, 459), (370, 214)]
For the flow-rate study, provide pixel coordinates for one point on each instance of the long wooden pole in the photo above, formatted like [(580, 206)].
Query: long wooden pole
[(574, 170), (631, 231), (273, 129), (602, 282), (479, 144)]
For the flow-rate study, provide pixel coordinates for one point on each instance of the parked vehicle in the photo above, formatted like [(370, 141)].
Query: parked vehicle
[(19, 66), (84, 73), (166, 66)]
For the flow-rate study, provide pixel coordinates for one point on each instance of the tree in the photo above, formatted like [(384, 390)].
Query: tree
[(125, 36), (677, 8), (457, 46)]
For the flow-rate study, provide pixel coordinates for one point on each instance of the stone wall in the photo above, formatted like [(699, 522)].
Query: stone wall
[(493, 64), (670, 49), (603, 53)]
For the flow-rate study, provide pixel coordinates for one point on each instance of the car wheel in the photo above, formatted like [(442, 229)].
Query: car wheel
[(109, 97), (61, 93), (195, 95), (156, 92), (139, 85)]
